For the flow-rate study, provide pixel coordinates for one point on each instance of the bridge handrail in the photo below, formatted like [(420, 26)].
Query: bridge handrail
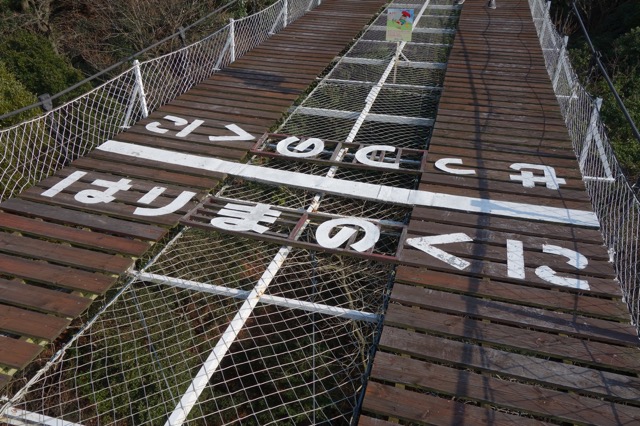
[(35, 149), (613, 199)]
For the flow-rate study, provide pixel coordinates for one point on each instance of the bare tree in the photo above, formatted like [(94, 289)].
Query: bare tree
[(102, 32)]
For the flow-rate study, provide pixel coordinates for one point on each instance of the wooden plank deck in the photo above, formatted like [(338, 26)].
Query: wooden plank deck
[(481, 345), (494, 343), (57, 255)]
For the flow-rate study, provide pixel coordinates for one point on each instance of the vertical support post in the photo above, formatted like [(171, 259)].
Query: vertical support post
[(591, 132), (594, 134), (140, 88), (561, 63), (47, 103), (545, 23), (395, 62), (50, 120), (285, 15), (232, 38), (183, 36)]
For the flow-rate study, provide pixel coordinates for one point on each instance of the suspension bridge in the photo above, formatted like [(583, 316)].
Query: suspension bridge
[(331, 228)]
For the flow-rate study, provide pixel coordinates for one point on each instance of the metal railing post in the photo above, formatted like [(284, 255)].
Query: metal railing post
[(140, 87), (545, 24), (232, 38), (593, 134), (285, 15), (560, 63), (138, 90)]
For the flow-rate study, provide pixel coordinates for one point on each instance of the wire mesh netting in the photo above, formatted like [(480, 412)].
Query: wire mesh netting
[(35, 149), (136, 360), (613, 199), (226, 329)]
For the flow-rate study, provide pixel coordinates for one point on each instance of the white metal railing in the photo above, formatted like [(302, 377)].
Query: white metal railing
[(37, 148), (612, 197)]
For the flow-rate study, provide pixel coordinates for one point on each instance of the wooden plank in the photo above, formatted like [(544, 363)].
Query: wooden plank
[(201, 104), (582, 380), (63, 255), (539, 194), (498, 238), (23, 322), (498, 191), (521, 339), (16, 353), (113, 209), (613, 309), (427, 409), (533, 256), (480, 267), (54, 275), (222, 100), (75, 236), (368, 421), (500, 168), (139, 187), (94, 222), (525, 227), (505, 394), (238, 97), (494, 147), (42, 299)]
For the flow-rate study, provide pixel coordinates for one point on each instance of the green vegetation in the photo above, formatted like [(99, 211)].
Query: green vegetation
[(49, 45), (13, 94), (40, 69), (614, 27)]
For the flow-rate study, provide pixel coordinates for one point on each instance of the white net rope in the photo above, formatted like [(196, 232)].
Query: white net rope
[(35, 149), (226, 329), (613, 199)]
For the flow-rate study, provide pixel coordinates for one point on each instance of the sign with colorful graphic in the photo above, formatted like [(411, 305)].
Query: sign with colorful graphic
[(399, 24)]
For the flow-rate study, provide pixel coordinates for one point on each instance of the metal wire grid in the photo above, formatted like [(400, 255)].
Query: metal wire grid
[(141, 352), (613, 200), (300, 200)]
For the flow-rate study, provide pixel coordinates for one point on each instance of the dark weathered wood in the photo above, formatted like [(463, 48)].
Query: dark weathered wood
[(54, 275), (494, 237), (23, 322), (505, 394), (75, 236), (145, 169), (536, 343), (475, 335), (533, 257), (16, 353), (508, 313), (113, 209), (370, 421), (569, 233), (523, 367), (426, 409), (60, 254), (480, 267), (520, 295), (42, 299), (79, 218)]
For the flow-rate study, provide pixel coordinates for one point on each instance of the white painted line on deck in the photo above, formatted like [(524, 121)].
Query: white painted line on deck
[(358, 190)]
